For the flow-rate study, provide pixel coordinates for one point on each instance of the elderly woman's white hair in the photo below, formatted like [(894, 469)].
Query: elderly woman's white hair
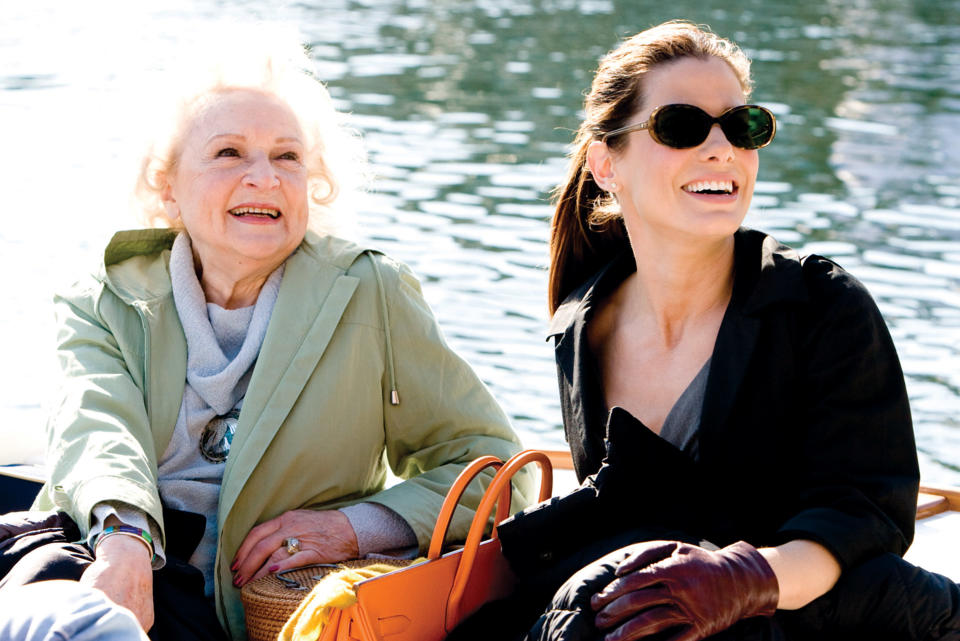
[(252, 57)]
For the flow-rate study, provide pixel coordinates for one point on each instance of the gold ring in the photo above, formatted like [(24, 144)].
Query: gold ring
[(292, 544)]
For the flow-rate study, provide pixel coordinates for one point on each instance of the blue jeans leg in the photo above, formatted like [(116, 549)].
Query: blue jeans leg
[(62, 611)]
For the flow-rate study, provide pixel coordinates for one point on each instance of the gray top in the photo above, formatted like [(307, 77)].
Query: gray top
[(682, 425)]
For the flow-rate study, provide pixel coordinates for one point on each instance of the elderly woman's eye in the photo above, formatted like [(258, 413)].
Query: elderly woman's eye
[(228, 152), (290, 155)]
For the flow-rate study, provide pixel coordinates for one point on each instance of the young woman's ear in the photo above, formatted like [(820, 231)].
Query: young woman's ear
[(600, 162)]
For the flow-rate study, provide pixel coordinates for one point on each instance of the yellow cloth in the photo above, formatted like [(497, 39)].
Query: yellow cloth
[(335, 590)]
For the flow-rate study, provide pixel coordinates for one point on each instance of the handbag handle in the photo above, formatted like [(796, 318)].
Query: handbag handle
[(499, 485), (453, 498)]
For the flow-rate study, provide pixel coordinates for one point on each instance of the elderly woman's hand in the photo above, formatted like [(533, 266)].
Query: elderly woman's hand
[(324, 537), (122, 570)]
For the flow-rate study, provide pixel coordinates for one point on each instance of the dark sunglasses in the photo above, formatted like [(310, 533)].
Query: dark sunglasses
[(685, 126)]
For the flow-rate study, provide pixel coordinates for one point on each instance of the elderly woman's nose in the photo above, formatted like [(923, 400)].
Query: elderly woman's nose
[(261, 173)]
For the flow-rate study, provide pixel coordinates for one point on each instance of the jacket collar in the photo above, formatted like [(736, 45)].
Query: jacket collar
[(766, 272), (144, 280), (776, 278)]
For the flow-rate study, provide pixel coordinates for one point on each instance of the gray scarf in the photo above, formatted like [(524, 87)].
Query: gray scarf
[(222, 346)]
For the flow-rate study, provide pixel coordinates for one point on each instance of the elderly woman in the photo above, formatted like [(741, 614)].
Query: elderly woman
[(737, 412), (234, 387)]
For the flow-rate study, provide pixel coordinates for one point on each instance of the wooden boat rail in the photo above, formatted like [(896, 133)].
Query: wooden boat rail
[(936, 500)]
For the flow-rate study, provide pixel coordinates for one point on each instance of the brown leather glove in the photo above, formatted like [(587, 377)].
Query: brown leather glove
[(691, 591)]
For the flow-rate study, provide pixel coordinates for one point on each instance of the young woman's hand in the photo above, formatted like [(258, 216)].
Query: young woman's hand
[(697, 592), (323, 537), (122, 570)]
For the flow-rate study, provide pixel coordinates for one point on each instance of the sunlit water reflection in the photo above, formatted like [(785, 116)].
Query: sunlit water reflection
[(467, 108)]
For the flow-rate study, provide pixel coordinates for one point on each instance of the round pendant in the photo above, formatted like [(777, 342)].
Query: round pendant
[(218, 436)]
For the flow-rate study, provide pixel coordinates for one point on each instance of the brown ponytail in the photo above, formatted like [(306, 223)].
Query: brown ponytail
[(587, 228), (577, 247)]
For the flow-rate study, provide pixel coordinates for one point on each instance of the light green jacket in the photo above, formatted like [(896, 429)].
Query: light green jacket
[(317, 427)]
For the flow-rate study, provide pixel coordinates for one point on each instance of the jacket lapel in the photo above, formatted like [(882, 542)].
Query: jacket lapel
[(766, 272), (165, 383), (731, 355), (145, 285), (576, 366), (313, 296), (564, 326)]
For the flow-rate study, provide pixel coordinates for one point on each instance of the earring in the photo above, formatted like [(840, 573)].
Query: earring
[(613, 187)]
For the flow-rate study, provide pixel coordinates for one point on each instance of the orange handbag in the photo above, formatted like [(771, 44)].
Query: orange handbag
[(424, 602)]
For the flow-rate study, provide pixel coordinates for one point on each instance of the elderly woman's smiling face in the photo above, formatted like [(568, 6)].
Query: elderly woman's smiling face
[(240, 184)]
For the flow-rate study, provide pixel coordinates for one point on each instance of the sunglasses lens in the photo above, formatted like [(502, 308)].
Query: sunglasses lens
[(681, 126), (748, 127)]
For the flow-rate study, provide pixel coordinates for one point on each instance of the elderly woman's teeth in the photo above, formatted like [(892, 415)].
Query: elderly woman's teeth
[(710, 186), (255, 211)]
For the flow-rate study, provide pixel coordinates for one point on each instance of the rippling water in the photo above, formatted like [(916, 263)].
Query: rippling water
[(467, 108)]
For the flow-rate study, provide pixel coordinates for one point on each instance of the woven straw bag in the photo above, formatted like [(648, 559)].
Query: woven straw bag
[(270, 600)]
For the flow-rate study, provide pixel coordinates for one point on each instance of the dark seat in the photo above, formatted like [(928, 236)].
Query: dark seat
[(16, 493)]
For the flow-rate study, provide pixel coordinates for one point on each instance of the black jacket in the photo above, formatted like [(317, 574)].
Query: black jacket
[(805, 430)]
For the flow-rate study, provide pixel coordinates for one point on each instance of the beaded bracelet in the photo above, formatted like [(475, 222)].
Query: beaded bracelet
[(141, 535)]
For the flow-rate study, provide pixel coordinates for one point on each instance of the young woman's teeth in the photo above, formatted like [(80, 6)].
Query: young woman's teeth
[(255, 211), (710, 187)]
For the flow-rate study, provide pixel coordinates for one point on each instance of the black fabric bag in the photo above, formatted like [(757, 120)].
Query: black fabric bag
[(644, 490), (24, 532), (38, 546)]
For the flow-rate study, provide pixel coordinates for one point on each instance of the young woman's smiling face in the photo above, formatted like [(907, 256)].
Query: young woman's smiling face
[(661, 189), (240, 183)]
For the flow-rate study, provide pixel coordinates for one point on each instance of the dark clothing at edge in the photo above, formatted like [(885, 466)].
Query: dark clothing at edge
[(805, 433)]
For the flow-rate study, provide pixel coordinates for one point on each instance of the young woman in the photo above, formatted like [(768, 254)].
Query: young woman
[(738, 413)]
